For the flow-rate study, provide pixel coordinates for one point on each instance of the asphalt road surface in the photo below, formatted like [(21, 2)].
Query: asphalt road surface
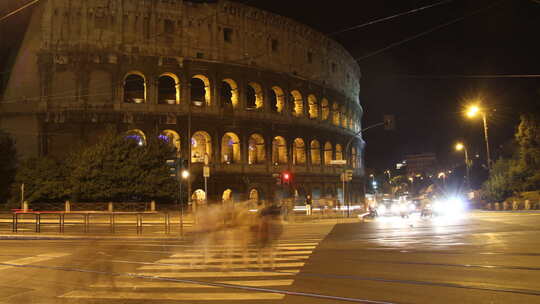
[(477, 258)]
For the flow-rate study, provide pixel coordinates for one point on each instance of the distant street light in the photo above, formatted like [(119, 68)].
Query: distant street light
[(459, 147), (185, 174), (473, 111), (443, 176)]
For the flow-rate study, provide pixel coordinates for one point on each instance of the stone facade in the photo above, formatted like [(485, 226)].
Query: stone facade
[(267, 93)]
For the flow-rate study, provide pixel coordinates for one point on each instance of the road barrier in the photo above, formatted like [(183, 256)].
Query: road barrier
[(18, 215)]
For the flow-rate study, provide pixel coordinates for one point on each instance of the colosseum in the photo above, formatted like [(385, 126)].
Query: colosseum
[(255, 93)]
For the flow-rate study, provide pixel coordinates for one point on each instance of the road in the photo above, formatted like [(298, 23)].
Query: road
[(478, 258)]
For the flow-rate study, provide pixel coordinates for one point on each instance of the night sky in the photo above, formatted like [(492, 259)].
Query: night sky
[(421, 81), (416, 81)]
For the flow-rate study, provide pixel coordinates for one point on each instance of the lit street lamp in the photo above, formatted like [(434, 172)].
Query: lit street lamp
[(443, 176), (459, 147), (473, 111)]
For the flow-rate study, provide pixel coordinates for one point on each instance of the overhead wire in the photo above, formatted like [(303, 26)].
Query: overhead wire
[(429, 31), (356, 27), (18, 10)]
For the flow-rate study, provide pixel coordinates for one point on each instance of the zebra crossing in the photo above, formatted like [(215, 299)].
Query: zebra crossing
[(182, 276)]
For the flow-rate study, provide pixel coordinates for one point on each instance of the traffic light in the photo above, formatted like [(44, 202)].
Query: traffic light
[(389, 122), (285, 178)]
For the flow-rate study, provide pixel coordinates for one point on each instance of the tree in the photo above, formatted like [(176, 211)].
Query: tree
[(44, 179), (118, 169), (8, 163), (528, 139), (502, 181)]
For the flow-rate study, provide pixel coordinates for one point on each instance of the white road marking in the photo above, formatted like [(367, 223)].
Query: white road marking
[(234, 266), (218, 274), (178, 296), (33, 259), (236, 258), (134, 284)]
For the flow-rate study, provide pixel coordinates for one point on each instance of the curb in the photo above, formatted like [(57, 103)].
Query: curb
[(86, 238)]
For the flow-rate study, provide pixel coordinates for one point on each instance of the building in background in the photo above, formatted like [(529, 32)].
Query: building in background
[(255, 93), (424, 164)]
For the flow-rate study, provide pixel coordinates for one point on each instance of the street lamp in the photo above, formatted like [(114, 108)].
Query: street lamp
[(459, 147), (473, 111), (443, 176)]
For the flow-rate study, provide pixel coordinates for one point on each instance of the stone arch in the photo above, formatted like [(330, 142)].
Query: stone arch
[(299, 152), (336, 114), (256, 149), (339, 152), (354, 158), (134, 87), (315, 150), (229, 93), (198, 196), (254, 96), (325, 109), (328, 153), (227, 195), (279, 151), (230, 148), (277, 99), (344, 117), (298, 104), (200, 90), (201, 145), (168, 89), (137, 135), (313, 105), (254, 195), (172, 138)]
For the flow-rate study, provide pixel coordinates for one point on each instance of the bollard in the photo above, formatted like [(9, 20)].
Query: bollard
[(153, 206), (111, 209), (25, 206), (68, 206)]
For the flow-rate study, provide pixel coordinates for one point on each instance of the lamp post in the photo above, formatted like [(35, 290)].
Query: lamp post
[(473, 111), (459, 147), (184, 175)]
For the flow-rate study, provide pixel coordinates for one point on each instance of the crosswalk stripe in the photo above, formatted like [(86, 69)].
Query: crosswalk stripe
[(234, 266), (219, 274), (33, 259), (153, 284), (178, 296), (239, 259), (277, 253)]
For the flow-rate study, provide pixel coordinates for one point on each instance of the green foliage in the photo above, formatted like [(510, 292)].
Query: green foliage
[(8, 163), (522, 171), (117, 169), (44, 179)]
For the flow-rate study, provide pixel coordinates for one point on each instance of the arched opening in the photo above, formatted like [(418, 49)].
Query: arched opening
[(315, 152), (227, 195), (336, 114), (325, 108), (168, 89), (328, 153), (277, 99), (135, 88), (279, 151), (339, 152), (344, 117), (313, 107), (254, 98), (201, 145), (136, 135), (229, 93), (299, 152), (254, 195), (172, 138), (230, 148), (200, 90), (354, 158), (256, 153), (198, 196), (298, 109)]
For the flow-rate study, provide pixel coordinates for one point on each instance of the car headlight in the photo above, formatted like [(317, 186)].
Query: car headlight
[(412, 207), (381, 209), (395, 208)]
